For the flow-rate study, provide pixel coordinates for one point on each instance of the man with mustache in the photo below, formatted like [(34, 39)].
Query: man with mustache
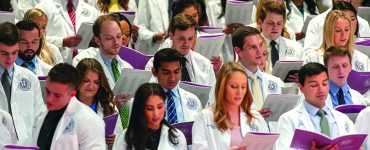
[(29, 47)]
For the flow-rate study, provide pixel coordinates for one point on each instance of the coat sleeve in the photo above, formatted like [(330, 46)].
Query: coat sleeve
[(199, 135), (143, 20), (286, 131), (362, 127), (92, 136), (312, 35)]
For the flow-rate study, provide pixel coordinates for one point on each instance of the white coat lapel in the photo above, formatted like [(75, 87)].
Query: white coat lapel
[(106, 70), (243, 123), (64, 13), (304, 122), (66, 124)]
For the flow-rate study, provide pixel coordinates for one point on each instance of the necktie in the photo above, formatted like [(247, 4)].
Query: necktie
[(341, 97), (72, 16), (26, 64), (171, 108), (274, 53), (115, 70), (184, 72), (324, 124), (256, 88), (7, 88), (123, 113)]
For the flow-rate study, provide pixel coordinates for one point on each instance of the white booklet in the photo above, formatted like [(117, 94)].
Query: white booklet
[(7, 17), (130, 80), (279, 104), (42, 80), (363, 48), (211, 30), (238, 12), (283, 69), (306, 22), (201, 91), (259, 140), (210, 45), (86, 32)]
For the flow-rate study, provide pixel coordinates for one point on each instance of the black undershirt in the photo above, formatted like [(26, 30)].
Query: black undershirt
[(154, 137)]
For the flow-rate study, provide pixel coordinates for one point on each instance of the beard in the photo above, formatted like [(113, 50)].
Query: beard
[(23, 56)]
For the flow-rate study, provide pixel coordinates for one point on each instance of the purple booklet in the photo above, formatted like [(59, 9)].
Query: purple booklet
[(363, 43), (136, 59), (346, 109), (19, 147), (359, 81), (186, 129), (110, 123), (302, 139), (42, 77)]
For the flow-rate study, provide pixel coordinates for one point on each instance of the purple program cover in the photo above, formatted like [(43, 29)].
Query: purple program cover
[(350, 108), (21, 147), (186, 129), (42, 77), (110, 123), (359, 81), (263, 133), (136, 59), (364, 43)]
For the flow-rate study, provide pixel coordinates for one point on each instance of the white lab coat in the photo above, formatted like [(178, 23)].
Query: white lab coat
[(60, 25), (152, 17), (315, 29), (78, 129), (295, 20), (96, 54), (164, 142), (57, 55), (191, 105), (207, 136), (298, 118), (26, 102), (288, 49), (360, 61), (25, 5), (362, 125), (42, 68), (7, 131)]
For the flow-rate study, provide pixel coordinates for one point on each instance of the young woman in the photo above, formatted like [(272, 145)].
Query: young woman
[(148, 129), (224, 124), (126, 29), (338, 31)]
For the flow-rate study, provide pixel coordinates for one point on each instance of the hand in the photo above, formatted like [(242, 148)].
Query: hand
[(238, 148), (265, 112), (293, 78), (121, 100), (229, 29), (216, 61), (327, 147), (299, 36), (135, 32), (109, 140), (158, 37), (72, 41)]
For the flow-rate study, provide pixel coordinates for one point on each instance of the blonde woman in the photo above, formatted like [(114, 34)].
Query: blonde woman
[(49, 53), (224, 124), (338, 31)]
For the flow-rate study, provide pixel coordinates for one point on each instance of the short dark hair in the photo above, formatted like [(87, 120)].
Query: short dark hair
[(310, 69), (336, 51), (272, 7), (100, 20), (122, 17), (342, 5), (65, 74), (182, 22), (240, 33), (9, 34), (27, 26), (166, 55)]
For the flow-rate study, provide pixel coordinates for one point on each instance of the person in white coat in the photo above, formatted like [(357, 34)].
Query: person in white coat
[(338, 62), (61, 31), (313, 114), (224, 124), (167, 70), (29, 46), (338, 31), (148, 129), (68, 123), (315, 28), (8, 135), (361, 125), (108, 36), (20, 91)]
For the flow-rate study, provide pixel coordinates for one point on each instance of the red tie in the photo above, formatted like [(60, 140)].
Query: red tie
[(72, 16)]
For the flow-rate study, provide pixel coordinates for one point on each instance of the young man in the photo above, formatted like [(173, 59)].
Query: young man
[(247, 43), (108, 36), (20, 93), (271, 21), (338, 62), (68, 124), (313, 114), (29, 47), (181, 105)]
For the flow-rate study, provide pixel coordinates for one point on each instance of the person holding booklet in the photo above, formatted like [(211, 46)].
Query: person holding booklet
[(148, 129), (94, 91), (338, 62), (68, 123), (248, 44), (313, 113), (224, 124), (338, 31)]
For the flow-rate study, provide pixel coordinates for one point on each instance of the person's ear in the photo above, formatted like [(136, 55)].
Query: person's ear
[(154, 72), (259, 23)]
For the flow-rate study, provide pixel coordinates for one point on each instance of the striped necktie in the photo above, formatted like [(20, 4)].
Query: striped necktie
[(171, 108), (72, 16)]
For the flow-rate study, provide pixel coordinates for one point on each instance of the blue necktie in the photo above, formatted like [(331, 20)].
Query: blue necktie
[(171, 108)]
